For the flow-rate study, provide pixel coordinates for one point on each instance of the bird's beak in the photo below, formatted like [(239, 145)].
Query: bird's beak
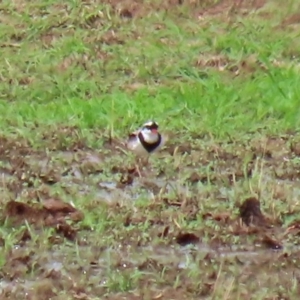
[(154, 130)]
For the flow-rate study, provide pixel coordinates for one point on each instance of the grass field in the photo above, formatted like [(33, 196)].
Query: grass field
[(222, 80)]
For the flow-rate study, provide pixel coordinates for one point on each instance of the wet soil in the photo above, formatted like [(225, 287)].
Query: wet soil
[(195, 216), (79, 223)]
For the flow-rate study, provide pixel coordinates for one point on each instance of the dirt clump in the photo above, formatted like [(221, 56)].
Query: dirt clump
[(250, 212), (184, 239), (52, 213)]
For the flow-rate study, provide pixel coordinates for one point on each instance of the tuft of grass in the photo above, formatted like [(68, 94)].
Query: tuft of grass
[(81, 77)]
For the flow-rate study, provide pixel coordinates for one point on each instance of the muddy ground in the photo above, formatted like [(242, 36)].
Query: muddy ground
[(197, 215), (208, 219)]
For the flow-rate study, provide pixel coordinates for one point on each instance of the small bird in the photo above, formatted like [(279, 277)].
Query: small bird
[(146, 140)]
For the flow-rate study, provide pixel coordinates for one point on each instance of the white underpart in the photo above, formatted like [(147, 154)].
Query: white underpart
[(136, 146), (149, 136)]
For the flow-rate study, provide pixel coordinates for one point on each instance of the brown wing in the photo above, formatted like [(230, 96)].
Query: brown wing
[(132, 136)]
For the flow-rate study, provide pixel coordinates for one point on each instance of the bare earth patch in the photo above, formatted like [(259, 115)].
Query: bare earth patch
[(235, 231)]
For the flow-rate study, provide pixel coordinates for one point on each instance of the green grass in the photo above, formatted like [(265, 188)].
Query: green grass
[(90, 91), (74, 74)]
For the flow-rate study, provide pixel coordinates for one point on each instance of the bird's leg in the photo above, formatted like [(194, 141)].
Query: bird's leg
[(137, 167), (141, 162), (146, 162)]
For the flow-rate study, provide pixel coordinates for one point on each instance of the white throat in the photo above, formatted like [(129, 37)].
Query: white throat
[(149, 136)]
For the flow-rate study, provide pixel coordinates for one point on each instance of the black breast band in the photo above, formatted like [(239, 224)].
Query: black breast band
[(149, 147)]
